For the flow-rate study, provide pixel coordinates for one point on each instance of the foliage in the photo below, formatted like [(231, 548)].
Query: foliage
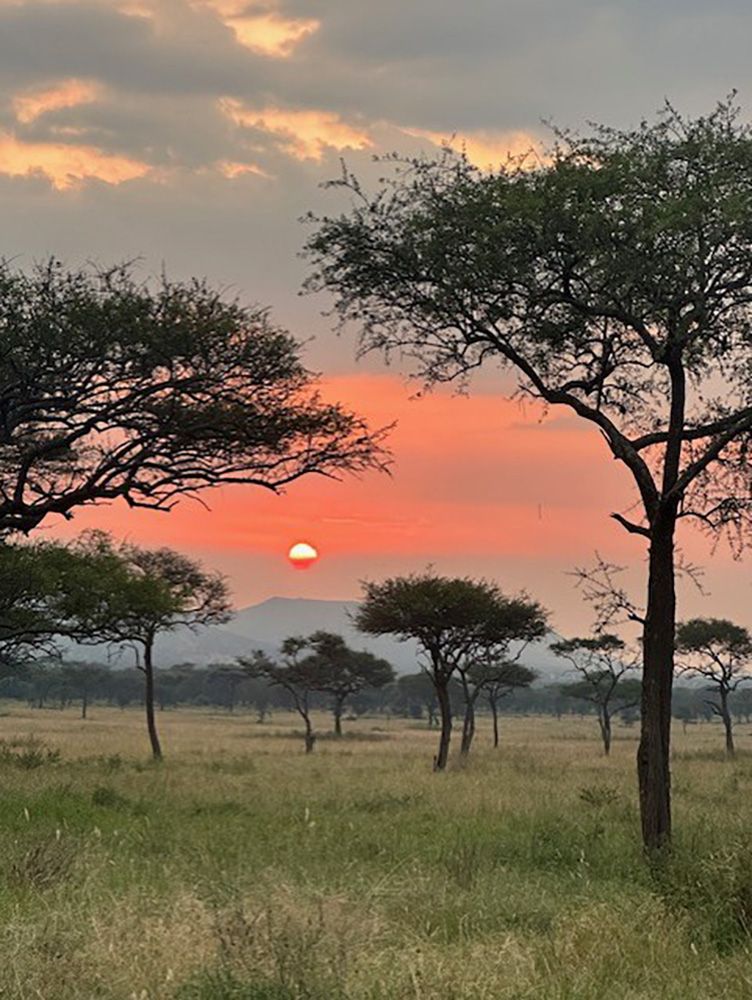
[(342, 672), (602, 663), (613, 276), (112, 387), (458, 624), (719, 651)]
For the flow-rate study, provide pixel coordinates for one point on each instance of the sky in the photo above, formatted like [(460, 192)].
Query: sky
[(192, 136)]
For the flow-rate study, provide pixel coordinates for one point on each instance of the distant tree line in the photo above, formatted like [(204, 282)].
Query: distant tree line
[(56, 684)]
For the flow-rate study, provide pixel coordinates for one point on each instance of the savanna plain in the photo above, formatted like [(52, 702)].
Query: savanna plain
[(242, 869)]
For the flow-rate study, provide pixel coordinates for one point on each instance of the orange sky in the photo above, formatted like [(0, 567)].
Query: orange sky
[(480, 485), (193, 135)]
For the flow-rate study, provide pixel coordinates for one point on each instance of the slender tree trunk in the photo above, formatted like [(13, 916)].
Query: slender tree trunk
[(727, 723), (468, 726), (445, 709), (653, 762), (338, 706), (495, 716), (151, 722), (84, 705), (604, 719), (310, 737)]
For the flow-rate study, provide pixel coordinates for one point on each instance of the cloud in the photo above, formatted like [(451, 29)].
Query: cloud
[(263, 30), (30, 104), (303, 134), (65, 165), (487, 148)]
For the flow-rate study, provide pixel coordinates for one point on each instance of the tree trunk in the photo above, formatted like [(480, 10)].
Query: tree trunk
[(653, 763), (728, 725), (84, 705), (468, 727), (310, 738), (445, 708), (604, 720), (151, 723), (338, 706), (495, 715)]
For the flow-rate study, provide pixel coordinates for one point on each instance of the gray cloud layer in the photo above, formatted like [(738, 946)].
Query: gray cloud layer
[(435, 65)]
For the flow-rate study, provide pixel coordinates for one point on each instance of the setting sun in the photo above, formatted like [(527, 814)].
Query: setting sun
[(302, 555)]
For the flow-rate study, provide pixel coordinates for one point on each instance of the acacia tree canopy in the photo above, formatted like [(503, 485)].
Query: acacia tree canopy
[(110, 387), (719, 651), (455, 622), (135, 594), (613, 275)]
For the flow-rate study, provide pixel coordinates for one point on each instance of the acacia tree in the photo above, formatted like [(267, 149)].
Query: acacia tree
[(498, 679), (451, 619), (83, 680), (139, 593), (412, 688), (602, 663), (110, 388), (297, 674), (513, 620), (719, 651), (613, 274), (342, 672)]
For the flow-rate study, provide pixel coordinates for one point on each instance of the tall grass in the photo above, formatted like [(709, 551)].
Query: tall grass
[(241, 869)]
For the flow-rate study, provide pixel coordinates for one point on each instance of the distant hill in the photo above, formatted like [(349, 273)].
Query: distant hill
[(264, 626)]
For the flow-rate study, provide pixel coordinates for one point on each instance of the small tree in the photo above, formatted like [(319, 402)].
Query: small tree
[(297, 674), (451, 619), (225, 681), (84, 680), (37, 583), (498, 680), (343, 672), (417, 692), (141, 593), (602, 663), (514, 620), (719, 651)]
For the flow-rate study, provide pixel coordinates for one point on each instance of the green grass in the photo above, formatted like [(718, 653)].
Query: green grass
[(241, 869)]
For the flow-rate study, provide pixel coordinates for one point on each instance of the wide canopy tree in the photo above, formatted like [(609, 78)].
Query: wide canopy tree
[(455, 622), (613, 275), (111, 387)]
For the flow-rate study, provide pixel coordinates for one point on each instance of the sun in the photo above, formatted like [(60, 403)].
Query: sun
[(302, 555)]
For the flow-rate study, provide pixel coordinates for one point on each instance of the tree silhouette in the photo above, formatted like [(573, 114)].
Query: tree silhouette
[(602, 662), (296, 673), (139, 593), (614, 276), (454, 621), (110, 388), (719, 651), (342, 672)]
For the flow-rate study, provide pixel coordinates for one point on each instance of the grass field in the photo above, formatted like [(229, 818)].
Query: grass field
[(240, 869)]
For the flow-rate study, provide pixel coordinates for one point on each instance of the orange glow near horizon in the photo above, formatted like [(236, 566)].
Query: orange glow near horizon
[(481, 486), (473, 474)]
